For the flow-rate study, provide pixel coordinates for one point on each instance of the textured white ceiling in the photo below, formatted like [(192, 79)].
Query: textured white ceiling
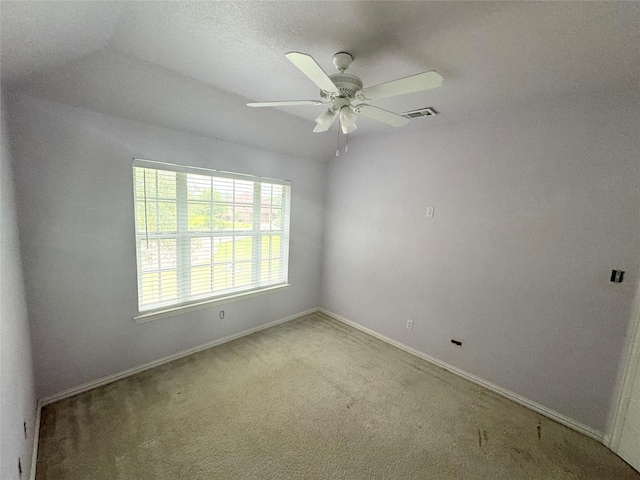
[(484, 49), (38, 35), (492, 55)]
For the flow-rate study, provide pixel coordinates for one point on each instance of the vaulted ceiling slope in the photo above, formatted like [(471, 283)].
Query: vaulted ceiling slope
[(193, 65)]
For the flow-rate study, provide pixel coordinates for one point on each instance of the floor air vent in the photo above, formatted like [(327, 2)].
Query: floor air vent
[(423, 112)]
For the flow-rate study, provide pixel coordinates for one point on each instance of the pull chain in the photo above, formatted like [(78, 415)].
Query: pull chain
[(338, 143), (346, 147)]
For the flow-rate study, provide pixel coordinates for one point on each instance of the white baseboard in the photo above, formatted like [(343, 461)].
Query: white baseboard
[(536, 407), (161, 361), (553, 415)]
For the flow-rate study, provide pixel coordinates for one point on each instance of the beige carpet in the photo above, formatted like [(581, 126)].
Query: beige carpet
[(311, 398)]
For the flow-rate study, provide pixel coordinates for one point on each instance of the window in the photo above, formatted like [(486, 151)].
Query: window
[(205, 235)]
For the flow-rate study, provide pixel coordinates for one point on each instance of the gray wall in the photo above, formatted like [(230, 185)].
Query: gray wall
[(17, 391), (74, 181), (533, 208)]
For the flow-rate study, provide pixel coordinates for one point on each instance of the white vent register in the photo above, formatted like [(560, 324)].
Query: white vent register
[(423, 112)]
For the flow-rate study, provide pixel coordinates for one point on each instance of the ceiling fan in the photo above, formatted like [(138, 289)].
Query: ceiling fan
[(345, 97)]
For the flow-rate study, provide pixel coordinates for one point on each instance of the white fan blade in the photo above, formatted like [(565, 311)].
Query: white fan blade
[(311, 69), (324, 121), (382, 115), (414, 83), (285, 103)]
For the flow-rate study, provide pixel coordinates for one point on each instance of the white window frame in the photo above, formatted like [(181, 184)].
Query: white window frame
[(187, 302)]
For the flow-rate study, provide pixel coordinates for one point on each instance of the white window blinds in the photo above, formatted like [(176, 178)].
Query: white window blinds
[(203, 234)]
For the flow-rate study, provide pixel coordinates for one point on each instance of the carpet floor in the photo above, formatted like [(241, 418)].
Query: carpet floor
[(311, 398)]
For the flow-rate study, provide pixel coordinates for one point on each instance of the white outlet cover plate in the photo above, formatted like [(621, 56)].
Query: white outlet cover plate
[(430, 211)]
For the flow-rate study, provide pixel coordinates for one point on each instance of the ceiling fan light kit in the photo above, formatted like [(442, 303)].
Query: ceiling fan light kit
[(345, 96), (347, 119), (324, 121)]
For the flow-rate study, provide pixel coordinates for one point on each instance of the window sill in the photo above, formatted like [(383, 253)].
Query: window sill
[(181, 309)]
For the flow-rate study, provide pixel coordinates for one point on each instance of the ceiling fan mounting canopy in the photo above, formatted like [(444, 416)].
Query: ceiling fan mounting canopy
[(345, 96), (347, 84), (342, 60)]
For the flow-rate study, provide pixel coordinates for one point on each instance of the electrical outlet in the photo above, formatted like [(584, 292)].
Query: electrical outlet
[(221, 314), (617, 276), (410, 324), (430, 211)]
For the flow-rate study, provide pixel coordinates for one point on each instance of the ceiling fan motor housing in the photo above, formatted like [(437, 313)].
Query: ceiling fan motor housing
[(347, 84)]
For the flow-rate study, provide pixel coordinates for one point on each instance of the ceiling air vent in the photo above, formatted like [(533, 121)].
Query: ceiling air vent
[(423, 112)]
